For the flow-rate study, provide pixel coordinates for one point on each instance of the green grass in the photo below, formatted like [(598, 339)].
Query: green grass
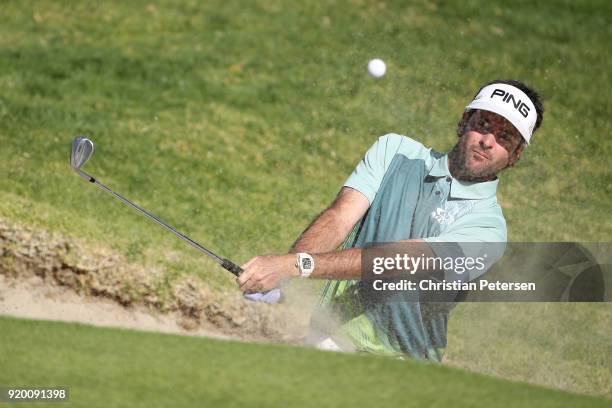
[(113, 368), (564, 346), (237, 122)]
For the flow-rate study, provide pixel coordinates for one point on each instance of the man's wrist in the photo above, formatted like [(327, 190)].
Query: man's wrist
[(292, 268)]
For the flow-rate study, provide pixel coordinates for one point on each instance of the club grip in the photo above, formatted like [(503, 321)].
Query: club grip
[(232, 267)]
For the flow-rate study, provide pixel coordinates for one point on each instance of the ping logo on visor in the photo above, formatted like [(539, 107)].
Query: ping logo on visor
[(507, 97), (509, 102)]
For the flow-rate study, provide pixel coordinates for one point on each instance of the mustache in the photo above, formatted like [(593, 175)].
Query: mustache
[(482, 153)]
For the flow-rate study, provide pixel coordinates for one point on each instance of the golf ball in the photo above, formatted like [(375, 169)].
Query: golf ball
[(377, 67)]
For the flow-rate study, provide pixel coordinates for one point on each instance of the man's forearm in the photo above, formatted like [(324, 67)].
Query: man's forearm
[(323, 235), (264, 273), (346, 264)]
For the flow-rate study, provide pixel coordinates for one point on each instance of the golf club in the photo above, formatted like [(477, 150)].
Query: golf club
[(82, 150)]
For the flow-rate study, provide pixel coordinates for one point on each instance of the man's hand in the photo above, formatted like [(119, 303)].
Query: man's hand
[(264, 273)]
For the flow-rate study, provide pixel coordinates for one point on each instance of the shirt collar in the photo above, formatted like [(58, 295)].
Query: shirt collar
[(467, 190)]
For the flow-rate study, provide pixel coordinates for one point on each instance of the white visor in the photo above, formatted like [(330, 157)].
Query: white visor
[(509, 102)]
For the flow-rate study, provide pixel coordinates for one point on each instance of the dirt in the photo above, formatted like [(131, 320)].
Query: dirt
[(47, 276), (33, 298)]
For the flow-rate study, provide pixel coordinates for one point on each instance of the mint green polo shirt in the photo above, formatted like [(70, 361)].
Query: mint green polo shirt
[(412, 195)]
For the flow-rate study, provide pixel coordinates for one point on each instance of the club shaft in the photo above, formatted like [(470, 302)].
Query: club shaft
[(230, 266)]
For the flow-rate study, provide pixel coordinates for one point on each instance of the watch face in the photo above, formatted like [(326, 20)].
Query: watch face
[(306, 263)]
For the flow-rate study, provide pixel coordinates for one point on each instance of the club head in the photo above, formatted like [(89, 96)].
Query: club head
[(82, 150)]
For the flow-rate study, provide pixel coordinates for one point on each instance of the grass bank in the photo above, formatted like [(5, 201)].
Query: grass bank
[(120, 368)]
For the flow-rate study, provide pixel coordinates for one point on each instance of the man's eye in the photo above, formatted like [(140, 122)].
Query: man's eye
[(505, 136), (482, 123)]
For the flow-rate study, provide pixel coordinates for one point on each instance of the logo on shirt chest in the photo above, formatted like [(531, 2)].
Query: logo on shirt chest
[(442, 216), (452, 210)]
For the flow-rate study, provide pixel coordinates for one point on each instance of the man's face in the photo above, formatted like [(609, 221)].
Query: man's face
[(489, 144)]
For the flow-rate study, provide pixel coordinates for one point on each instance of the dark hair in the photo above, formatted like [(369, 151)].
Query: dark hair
[(532, 94)]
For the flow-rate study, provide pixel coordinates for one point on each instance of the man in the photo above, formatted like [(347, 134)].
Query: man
[(404, 192)]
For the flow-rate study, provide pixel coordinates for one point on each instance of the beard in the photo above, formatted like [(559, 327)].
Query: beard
[(458, 159)]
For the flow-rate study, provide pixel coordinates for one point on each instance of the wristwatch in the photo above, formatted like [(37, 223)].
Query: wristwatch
[(305, 264)]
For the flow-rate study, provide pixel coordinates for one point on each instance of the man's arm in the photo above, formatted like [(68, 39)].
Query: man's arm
[(323, 235), (332, 226), (346, 264), (265, 272)]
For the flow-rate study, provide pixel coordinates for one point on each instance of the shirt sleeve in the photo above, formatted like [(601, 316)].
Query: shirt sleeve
[(480, 235), (368, 175)]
